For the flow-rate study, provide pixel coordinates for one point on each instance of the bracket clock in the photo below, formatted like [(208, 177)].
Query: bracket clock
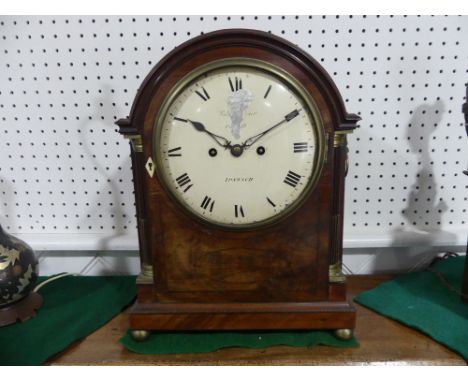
[(238, 142)]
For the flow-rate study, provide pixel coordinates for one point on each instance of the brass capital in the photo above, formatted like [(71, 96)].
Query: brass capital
[(335, 274), (146, 275), (137, 142), (339, 138)]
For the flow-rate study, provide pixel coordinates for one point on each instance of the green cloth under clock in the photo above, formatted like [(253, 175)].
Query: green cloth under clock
[(420, 300), (74, 306), (205, 342)]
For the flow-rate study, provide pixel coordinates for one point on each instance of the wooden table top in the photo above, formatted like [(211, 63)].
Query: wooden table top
[(382, 342)]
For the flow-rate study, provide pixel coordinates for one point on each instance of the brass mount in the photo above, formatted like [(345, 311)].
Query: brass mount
[(339, 138), (137, 142), (146, 275), (335, 274)]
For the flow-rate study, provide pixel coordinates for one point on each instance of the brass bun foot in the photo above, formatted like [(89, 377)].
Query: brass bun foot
[(343, 334), (139, 335)]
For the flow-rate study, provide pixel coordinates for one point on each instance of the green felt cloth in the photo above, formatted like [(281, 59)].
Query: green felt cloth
[(73, 308), (204, 342), (420, 300)]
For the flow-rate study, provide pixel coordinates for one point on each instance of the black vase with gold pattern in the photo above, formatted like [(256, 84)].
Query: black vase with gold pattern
[(18, 274)]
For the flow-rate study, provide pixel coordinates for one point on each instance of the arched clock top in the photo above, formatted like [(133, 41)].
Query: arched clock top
[(235, 39)]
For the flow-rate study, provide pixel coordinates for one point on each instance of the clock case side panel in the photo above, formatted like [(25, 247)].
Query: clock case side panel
[(151, 240)]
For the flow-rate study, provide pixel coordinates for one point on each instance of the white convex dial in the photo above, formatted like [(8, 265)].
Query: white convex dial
[(238, 146)]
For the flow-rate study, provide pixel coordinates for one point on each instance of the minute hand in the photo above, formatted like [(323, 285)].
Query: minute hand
[(250, 141)]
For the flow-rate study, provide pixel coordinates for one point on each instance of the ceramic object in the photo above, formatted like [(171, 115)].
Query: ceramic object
[(18, 275)]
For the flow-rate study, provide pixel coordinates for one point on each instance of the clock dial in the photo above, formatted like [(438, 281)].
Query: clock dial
[(238, 146)]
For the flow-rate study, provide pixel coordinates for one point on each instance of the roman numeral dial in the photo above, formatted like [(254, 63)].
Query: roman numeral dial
[(239, 211), (235, 84), (184, 182), (301, 147), (292, 179), (207, 204), (237, 146), (203, 94), (175, 152)]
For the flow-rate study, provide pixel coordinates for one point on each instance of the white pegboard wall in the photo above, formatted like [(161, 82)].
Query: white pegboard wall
[(65, 177)]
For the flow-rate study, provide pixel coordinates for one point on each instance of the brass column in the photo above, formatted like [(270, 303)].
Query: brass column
[(136, 144), (340, 162)]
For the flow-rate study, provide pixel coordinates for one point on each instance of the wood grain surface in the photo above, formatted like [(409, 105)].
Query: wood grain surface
[(382, 342)]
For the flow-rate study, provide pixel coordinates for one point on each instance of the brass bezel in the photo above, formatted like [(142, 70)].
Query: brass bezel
[(294, 85)]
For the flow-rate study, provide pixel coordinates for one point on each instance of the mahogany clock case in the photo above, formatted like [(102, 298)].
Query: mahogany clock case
[(202, 277)]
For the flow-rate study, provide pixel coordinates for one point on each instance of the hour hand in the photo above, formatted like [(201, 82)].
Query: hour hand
[(223, 142), (198, 125)]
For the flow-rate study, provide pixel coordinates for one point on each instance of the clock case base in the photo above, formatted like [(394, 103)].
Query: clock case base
[(335, 313), (242, 316)]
